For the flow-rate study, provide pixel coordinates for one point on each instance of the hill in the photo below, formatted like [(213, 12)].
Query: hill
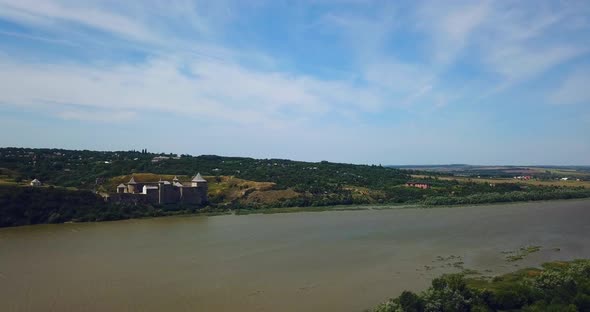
[(81, 168), (247, 183)]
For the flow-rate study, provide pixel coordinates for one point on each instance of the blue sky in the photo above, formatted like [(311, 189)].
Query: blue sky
[(390, 82)]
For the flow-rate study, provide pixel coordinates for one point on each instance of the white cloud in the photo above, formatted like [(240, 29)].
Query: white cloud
[(520, 63), (39, 38), (47, 13), (520, 42), (450, 25), (218, 90), (111, 116)]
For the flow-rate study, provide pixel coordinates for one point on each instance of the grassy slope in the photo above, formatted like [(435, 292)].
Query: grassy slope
[(221, 189), (225, 189)]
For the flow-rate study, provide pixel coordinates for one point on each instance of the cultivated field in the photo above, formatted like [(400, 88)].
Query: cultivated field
[(568, 183)]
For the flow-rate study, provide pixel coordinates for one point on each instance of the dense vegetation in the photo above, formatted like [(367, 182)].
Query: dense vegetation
[(28, 205), (81, 168), (559, 287)]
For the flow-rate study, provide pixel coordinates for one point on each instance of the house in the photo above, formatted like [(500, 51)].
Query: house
[(420, 185), (36, 182)]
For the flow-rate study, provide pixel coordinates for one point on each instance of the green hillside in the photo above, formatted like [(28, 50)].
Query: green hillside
[(247, 183)]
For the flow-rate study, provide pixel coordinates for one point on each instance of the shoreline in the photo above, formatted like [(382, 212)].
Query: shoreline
[(334, 208), (384, 207)]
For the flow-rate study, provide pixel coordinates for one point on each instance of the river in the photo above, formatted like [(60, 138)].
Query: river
[(308, 261)]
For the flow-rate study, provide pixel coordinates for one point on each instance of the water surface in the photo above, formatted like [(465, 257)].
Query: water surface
[(328, 261)]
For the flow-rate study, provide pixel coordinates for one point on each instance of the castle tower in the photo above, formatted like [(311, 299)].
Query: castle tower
[(198, 181), (131, 185)]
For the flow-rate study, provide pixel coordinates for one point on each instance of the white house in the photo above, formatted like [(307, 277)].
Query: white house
[(35, 183)]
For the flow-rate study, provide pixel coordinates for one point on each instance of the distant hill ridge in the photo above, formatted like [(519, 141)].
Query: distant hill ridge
[(80, 169)]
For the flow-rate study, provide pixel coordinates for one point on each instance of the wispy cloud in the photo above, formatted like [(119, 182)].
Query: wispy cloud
[(450, 26), (46, 13), (38, 38), (108, 117), (574, 89), (212, 89)]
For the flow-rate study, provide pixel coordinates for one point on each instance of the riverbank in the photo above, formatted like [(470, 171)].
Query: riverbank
[(27, 206), (381, 207)]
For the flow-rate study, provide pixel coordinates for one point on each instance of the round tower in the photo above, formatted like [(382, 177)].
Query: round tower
[(131, 186)]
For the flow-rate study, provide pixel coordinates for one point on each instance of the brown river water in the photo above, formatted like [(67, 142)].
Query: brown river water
[(308, 261)]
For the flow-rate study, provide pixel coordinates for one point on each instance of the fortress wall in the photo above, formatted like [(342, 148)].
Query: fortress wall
[(194, 195), (168, 194)]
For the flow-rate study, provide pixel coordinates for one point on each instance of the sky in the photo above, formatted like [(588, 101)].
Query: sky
[(355, 81)]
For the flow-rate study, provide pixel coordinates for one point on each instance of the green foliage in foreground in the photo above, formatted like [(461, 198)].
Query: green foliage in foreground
[(559, 286)]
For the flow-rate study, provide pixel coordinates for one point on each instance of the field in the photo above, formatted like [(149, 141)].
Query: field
[(568, 183)]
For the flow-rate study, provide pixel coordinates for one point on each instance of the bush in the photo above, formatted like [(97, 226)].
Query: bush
[(559, 287)]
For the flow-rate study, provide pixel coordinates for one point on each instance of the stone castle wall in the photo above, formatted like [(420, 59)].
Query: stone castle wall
[(164, 194)]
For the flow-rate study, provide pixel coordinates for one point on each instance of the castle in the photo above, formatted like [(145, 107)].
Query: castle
[(163, 192)]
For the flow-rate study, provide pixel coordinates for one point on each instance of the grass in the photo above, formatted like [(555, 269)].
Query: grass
[(522, 253), (297, 209), (506, 280), (502, 281), (470, 272), (8, 182)]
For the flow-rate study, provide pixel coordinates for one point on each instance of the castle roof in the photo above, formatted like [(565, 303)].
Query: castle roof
[(198, 178), (132, 181), (175, 178), (35, 181), (121, 185)]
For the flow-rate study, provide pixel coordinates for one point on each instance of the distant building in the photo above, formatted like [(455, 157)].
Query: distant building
[(36, 182), (163, 192), (161, 158), (420, 185)]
